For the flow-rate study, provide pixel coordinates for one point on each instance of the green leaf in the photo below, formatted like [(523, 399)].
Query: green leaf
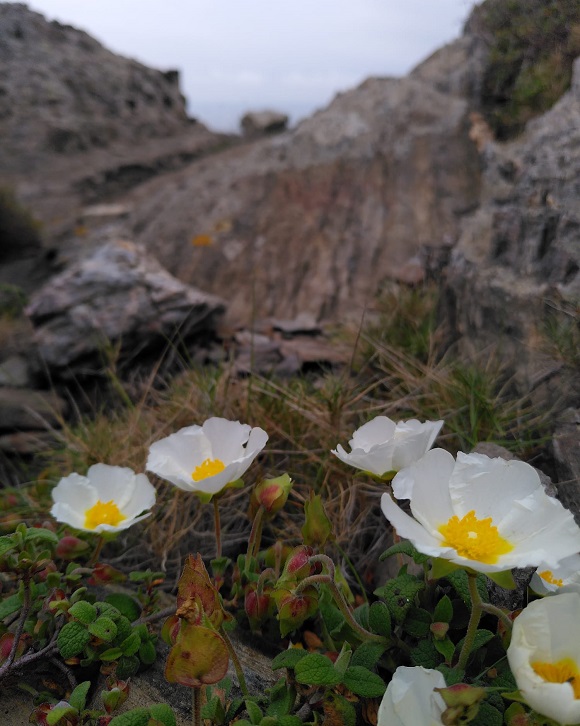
[(406, 548), (147, 653), (282, 698), (399, 594), (331, 615), (443, 612), (316, 670), (451, 675), (213, 710), (446, 647), (83, 611), (59, 712), (343, 660), (254, 711), (125, 604), (127, 666), (487, 715), (363, 682), (104, 629), (125, 629), (111, 654), (288, 658), (504, 579), (78, 697), (441, 568), (289, 721), (417, 623), (361, 615), (481, 638), (459, 580), (368, 654), (7, 543), (380, 619), (108, 610), (72, 639), (38, 535), (425, 654), (135, 717), (10, 605), (162, 712), (131, 645)]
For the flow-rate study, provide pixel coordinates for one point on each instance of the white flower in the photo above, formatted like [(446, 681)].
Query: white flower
[(410, 700), (205, 459), (107, 499), (544, 656), (486, 514), (565, 577), (382, 447)]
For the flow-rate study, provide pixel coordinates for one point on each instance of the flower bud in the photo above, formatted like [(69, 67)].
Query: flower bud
[(271, 494), (294, 609), (439, 630), (462, 702), (69, 547), (103, 574), (298, 564), (257, 606), (317, 527)]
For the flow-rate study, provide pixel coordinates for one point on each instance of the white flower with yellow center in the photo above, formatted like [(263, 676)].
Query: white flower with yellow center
[(544, 656), (382, 447), (410, 700), (205, 459), (565, 577), (107, 499), (489, 515)]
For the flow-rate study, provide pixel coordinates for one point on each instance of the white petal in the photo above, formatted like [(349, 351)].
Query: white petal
[(143, 497), (409, 528), (377, 431), (413, 439), (76, 491), (430, 500), (378, 460), (410, 700), (112, 483), (227, 438), (72, 516), (175, 457)]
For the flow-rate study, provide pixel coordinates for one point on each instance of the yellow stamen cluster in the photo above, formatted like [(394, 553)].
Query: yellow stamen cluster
[(103, 513), (563, 671), (473, 538), (207, 468), (549, 577)]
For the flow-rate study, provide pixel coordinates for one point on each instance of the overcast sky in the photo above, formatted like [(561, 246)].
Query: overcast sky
[(293, 56)]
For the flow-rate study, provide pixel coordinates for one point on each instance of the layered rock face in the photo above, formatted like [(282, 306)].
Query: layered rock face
[(62, 92), (316, 220)]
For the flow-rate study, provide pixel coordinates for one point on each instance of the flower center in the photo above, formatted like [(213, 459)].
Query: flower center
[(563, 671), (475, 539), (207, 468), (103, 513), (549, 577)]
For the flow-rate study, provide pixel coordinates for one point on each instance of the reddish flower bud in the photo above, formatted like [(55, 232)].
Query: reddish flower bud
[(298, 565), (257, 607), (439, 630), (271, 494), (102, 574), (69, 547)]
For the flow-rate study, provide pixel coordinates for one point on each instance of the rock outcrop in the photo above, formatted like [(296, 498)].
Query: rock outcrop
[(118, 295)]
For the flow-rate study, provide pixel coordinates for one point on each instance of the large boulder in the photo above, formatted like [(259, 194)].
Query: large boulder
[(121, 295)]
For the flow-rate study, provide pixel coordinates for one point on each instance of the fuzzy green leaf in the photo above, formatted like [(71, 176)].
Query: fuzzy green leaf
[(282, 698), (368, 654), (399, 594), (83, 611), (443, 612), (363, 682), (417, 622), (459, 580), (131, 645), (111, 654), (147, 652), (135, 717), (288, 658), (78, 697), (481, 638), (104, 629), (213, 710), (316, 670), (38, 535), (127, 666), (10, 605), (125, 604), (162, 712), (361, 615), (7, 543), (425, 654), (405, 548), (72, 639), (254, 711), (331, 615), (446, 647), (60, 711), (487, 715), (380, 619)]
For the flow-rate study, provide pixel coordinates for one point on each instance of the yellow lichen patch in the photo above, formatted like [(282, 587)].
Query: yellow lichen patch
[(476, 539), (202, 240), (563, 671), (549, 577), (103, 513), (209, 467)]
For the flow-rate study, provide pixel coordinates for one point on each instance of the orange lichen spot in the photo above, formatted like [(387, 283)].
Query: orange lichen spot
[(202, 240)]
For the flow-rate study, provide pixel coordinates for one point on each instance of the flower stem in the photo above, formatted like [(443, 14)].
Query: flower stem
[(196, 706), (499, 614), (236, 662), (97, 551), (255, 535), (474, 618), (363, 633), (218, 528)]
